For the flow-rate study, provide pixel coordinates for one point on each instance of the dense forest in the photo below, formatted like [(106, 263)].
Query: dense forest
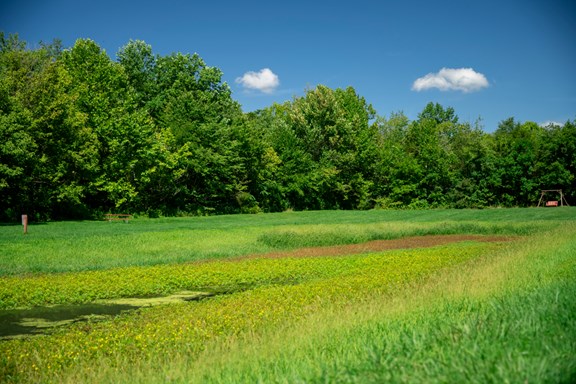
[(82, 135)]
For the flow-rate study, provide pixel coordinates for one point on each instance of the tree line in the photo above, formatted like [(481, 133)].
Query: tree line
[(82, 135)]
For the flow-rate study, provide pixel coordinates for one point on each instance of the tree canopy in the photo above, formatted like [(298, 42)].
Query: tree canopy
[(82, 134)]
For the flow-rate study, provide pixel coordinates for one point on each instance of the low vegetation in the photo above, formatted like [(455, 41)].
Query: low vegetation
[(471, 311)]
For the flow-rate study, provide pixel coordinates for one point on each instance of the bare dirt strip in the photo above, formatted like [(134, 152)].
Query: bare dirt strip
[(382, 245)]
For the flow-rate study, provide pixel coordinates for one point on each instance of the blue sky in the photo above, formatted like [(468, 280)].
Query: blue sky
[(489, 59)]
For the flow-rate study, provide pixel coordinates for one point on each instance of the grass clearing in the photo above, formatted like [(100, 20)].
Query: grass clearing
[(80, 246), (468, 311), (482, 321)]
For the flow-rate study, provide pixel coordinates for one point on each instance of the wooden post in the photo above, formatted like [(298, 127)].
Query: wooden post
[(25, 223), (541, 197)]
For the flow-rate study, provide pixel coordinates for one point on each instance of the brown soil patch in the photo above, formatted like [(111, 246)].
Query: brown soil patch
[(382, 245)]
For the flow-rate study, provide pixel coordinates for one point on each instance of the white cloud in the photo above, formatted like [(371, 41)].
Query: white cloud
[(452, 79), (265, 80)]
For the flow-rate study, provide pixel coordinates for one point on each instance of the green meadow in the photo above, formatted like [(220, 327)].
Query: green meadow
[(464, 311)]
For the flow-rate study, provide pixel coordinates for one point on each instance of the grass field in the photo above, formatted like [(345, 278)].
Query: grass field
[(465, 311)]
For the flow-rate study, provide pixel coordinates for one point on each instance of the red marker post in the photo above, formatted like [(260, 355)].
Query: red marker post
[(25, 223)]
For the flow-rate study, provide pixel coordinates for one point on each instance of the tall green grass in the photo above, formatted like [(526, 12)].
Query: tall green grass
[(506, 317), (525, 337), (81, 246), (471, 312), (341, 234), (163, 331)]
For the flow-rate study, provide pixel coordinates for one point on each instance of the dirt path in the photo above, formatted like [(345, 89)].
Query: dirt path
[(382, 245)]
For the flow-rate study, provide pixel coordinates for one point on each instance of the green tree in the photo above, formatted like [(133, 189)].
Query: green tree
[(124, 134), (326, 142), (188, 93), (474, 167), (194, 103), (556, 165), (218, 148), (81, 134), (17, 157), (67, 147), (139, 64), (396, 171), (292, 166), (517, 146), (434, 161), (428, 142), (20, 71)]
